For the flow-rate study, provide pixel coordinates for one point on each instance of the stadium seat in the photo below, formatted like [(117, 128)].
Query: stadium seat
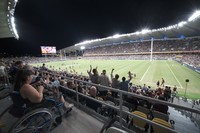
[(160, 115), (99, 98), (115, 130), (110, 102), (129, 105), (143, 110), (138, 122), (157, 129)]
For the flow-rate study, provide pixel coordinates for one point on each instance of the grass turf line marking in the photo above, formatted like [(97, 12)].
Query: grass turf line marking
[(146, 71), (174, 74)]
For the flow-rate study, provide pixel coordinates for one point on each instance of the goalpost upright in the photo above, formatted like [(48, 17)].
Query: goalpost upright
[(151, 49)]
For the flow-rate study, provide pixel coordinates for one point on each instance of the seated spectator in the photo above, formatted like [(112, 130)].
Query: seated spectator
[(160, 107), (91, 103), (31, 95), (14, 69)]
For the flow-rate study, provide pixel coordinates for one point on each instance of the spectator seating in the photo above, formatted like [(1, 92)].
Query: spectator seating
[(157, 129), (138, 123), (115, 130)]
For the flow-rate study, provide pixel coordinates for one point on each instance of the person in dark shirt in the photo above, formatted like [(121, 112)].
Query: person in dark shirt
[(14, 69), (115, 83), (95, 76), (161, 107), (162, 82), (158, 83)]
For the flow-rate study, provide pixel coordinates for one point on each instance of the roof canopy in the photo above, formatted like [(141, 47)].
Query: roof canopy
[(189, 28), (7, 25)]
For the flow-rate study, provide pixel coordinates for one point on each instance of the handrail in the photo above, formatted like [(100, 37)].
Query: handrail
[(120, 108), (153, 100)]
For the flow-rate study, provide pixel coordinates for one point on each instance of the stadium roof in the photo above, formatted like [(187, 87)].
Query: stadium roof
[(7, 25), (189, 28)]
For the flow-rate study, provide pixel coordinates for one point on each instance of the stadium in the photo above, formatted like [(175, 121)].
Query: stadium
[(145, 81)]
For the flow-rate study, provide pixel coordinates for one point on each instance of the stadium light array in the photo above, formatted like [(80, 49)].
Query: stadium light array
[(10, 17), (194, 16), (13, 27), (182, 23), (116, 36), (144, 31)]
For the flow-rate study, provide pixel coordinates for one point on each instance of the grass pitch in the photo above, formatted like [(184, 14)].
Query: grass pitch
[(147, 72)]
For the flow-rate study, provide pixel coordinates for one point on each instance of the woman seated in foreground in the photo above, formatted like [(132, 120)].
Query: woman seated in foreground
[(29, 93)]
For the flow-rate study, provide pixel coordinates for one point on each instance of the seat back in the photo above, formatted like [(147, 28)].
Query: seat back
[(17, 99), (160, 115), (110, 103), (143, 110), (18, 108), (138, 122), (129, 105), (115, 130), (159, 129)]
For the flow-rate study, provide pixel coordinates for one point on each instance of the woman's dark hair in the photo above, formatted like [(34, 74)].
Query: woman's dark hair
[(21, 78)]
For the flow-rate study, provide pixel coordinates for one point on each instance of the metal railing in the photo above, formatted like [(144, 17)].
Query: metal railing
[(120, 110)]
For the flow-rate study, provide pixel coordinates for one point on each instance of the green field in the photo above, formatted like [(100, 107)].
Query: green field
[(147, 72)]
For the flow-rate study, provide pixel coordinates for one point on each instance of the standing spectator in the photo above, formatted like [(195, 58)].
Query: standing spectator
[(93, 77), (115, 83), (167, 93), (124, 85), (174, 93), (158, 83), (162, 82), (44, 68), (103, 80)]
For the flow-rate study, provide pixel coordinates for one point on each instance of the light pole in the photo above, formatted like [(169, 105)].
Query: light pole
[(186, 81)]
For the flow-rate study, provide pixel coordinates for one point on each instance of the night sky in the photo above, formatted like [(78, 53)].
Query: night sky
[(63, 23)]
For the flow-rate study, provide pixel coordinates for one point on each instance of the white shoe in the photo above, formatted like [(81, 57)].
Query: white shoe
[(67, 105), (70, 105)]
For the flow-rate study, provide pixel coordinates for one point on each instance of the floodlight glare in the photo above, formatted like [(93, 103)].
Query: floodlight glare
[(116, 36), (137, 33), (144, 31), (194, 16), (13, 27), (82, 47), (181, 24)]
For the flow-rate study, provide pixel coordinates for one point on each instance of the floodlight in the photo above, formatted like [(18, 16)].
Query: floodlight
[(116, 36), (13, 27), (144, 31), (82, 47), (181, 24), (137, 33), (194, 16)]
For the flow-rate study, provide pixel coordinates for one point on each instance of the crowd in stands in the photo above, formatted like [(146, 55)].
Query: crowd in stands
[(57, 78), (167, 49), (188, 44)]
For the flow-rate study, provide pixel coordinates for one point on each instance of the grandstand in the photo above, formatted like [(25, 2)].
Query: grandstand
[(173, 50)]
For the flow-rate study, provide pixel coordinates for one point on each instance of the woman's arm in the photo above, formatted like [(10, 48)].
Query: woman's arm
[(32, 94)]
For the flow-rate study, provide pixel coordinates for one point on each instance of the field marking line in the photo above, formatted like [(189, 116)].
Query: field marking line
[(174, 74), (152, 83), (146, 71)]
